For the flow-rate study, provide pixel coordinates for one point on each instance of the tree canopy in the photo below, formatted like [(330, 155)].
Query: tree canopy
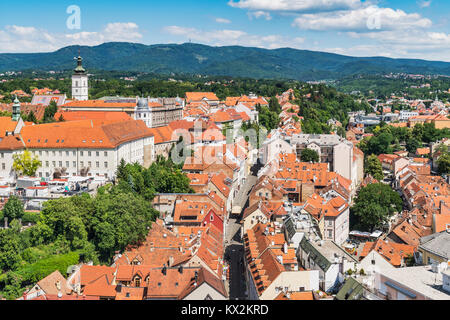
[(374, 168), (26, 164), (374, 205), (309, 155), (13, 209)]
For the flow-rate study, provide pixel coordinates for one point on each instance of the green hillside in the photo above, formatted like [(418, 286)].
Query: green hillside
[(231, 61)]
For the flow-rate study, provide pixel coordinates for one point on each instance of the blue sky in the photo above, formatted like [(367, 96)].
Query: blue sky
[(394, 28)]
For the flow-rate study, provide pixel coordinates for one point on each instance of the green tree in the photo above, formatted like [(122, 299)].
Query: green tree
[(121, 172), (49, 112), (418, 131), (9, 249), (26, 164), (374, 205), (13, 209), (444, 164), (62, 216), (412, 145), (274, 105), (309, 155), (32, 117), (374, 167), (380, 144)]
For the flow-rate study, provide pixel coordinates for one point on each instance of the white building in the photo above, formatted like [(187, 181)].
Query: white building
[(332, 149), (273, 146), (85, 147), (328, 258), (405, 115)]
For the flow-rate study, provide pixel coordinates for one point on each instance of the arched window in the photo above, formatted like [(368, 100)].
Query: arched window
[(137, 282)]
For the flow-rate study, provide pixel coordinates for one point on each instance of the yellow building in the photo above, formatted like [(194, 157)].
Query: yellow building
[(434, 248)]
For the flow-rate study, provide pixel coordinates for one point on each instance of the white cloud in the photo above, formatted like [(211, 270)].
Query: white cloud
[(233, 37), (29, 39), (362, 20), (402, 44), (296, 5), (122, 32), (424, 3), (259, 14), (21, 31), (222, 20)]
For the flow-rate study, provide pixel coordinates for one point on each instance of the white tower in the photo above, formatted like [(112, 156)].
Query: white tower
[(143, 112), (80, 85)]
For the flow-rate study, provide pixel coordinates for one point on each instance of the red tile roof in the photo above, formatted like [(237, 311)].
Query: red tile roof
[(92, 115), (198, 96), (84, 134)]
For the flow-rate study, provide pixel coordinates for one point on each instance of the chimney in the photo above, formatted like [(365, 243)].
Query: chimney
[(164, 270), (180, 269), (171, 261), (285, 248)]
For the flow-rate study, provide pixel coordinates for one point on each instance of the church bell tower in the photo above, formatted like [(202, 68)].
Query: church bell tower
[(80, 85)]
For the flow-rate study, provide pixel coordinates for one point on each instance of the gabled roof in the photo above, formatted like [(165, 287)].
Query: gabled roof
[(99, 104), (11, 143), (219, 181), (198, 96), (7, 125), (91, 273), (100, 287), (438, 243), (92, 115), (163, 134), (204, 277), (84, 134), (50, 284), (391, 251), (408, 233), (351, 290)]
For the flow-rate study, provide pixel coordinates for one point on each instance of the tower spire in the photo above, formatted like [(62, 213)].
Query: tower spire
[(79, 69)]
